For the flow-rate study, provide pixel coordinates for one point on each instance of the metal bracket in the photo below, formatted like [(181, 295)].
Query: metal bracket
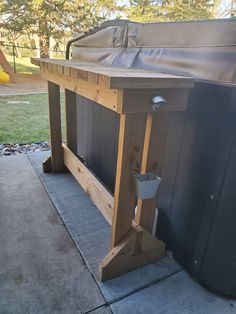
[(157, 102)]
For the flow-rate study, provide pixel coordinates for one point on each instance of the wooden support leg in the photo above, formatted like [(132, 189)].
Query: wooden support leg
[(130, 147), (132, 246), (137, 249), (154, 144), (55, 129), (47, 164), (71, 119)]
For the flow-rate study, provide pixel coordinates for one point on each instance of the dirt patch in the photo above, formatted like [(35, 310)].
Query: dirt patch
[(25, 84)]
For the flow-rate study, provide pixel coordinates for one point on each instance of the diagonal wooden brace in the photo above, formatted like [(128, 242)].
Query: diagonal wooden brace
[(137, 249), (47, 164)]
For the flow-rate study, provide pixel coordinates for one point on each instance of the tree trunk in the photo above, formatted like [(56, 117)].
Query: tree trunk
[(44, 39), (37, 45), (44, 46)]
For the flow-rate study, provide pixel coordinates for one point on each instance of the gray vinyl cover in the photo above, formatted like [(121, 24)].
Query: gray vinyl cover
[(205, 50)]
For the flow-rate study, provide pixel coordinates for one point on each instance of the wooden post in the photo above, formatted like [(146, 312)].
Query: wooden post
[(71, 119), (132, 245), (130, 147), (155, 139), (55, 127)]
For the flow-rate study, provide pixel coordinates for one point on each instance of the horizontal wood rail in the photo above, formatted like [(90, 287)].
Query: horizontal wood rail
[(111, 99), (91, 185), (120, 90), (98, 193)]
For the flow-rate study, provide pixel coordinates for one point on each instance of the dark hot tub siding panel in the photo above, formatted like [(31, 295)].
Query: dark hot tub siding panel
[(180, 220), (215, 250), (97, 134)]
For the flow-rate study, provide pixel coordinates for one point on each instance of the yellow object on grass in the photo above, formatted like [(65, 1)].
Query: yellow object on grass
[(4, 77)]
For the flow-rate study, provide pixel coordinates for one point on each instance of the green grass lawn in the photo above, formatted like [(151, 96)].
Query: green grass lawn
[(25, 122), (23, 65)]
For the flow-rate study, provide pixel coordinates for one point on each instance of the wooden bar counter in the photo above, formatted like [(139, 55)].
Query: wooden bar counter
[(128, 92)]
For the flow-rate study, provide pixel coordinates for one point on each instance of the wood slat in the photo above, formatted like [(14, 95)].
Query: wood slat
[(92, 186), (121, 78), (155, 139)]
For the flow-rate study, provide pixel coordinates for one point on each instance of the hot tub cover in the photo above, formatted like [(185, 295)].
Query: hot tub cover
[(205, 50)]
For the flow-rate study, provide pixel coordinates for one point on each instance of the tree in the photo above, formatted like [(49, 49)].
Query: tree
[(224, 8), (188, 9), (145, 11), (169, 10), (13, 21), (48, 18)]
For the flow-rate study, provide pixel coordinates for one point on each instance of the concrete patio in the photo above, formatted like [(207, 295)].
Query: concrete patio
[(42, 270)]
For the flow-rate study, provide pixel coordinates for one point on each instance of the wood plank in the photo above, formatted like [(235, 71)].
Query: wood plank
[(135, 100), (130, 147), (146, 208), (146, 146), (66, 71), (109, 98), (136, 249), (97, 89), (123, 78), (71, 120), (149, 81), (90, 183), (155, 138), (47, 165), (92, 186), (129, 101), (55, 127)]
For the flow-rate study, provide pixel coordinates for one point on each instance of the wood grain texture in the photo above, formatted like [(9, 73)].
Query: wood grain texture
[(116, 77), (130, 147), (109, 98), (138, 100), (121, 90), (136, 249), (92, 186), (155, 139)]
